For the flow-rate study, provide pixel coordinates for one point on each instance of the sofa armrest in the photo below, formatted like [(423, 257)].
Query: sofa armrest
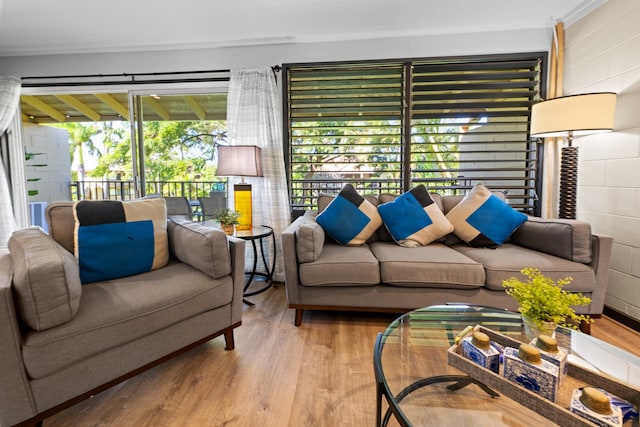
[(566, 238), (204, 248), (310, 238), (600, 263), (17, 403), (290, 257), (236, 253)]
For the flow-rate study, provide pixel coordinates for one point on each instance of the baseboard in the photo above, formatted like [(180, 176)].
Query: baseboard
[(622, 318)]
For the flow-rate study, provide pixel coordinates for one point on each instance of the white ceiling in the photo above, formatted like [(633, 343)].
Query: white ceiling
[(36, 27)]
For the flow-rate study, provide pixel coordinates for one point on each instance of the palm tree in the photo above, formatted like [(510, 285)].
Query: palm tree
[(80, 135)]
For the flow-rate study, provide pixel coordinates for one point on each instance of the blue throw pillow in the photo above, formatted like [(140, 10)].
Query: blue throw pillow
[(482, 219), (350, 219), (413, 219), (116, 239)]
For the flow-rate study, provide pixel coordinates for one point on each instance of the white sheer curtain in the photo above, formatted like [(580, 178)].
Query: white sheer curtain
[(9, 99), (254, 118)]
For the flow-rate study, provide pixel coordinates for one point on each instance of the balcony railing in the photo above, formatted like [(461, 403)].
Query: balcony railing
[(303, 193), (123, 190)]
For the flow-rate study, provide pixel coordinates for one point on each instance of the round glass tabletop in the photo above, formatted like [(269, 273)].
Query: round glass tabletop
[(422, 389)]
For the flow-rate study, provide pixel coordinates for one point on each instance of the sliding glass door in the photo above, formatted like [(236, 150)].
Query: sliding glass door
[(176, 134), (109, 142)]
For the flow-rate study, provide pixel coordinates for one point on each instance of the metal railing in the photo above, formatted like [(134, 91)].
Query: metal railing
[(124, 190), (303, 193)]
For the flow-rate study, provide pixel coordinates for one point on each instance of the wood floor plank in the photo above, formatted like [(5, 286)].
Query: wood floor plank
[(319, 374)]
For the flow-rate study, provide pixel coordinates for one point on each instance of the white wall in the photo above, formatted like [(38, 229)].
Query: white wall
[(603, 54), (525, 40), (55, 177)]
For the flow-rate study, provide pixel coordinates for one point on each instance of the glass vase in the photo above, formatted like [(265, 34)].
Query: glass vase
[(533, 330)]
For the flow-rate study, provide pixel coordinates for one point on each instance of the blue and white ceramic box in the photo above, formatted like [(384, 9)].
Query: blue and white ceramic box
[(557, 357), (487, 358), (540, 378), (614, 419)]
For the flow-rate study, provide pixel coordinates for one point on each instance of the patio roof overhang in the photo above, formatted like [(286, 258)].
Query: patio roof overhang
[(63, 108)]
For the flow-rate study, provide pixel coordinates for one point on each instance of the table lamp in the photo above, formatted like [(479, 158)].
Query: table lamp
[(241, 160), (572, 116)]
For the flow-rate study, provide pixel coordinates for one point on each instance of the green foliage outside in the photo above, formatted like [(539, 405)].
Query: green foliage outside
[(370, 151), (543, 300), (174, 150), (435, 149)]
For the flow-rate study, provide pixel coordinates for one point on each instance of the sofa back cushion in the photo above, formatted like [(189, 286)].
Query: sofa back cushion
[(46, 279), (204, 248), (61, 223), (566, 238)]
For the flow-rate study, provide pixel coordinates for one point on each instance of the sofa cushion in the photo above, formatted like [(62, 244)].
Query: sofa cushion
[(46, 279), (202, 247), (310, 238), (61, 224), (566, 238), (414, 219), (507, 260), (482, 219), (117, 239), (350, 219), (116, 312), (341, 265), (432, 266)]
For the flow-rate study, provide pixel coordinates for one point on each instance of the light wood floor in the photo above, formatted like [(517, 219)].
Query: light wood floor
[(320, 374)]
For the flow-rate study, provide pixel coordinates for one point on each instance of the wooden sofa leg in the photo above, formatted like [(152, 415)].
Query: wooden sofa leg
[(298, 320), (228, 339)]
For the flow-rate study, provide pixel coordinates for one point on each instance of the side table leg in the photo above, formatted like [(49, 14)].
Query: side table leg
[(252, 273)]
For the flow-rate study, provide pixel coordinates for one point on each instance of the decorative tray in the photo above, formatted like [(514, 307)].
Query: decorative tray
[(557, 412)]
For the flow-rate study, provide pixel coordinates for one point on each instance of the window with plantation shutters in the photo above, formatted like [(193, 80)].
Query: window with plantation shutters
[(447, 123)]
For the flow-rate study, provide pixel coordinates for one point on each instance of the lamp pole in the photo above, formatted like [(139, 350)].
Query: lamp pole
[(568, 180)]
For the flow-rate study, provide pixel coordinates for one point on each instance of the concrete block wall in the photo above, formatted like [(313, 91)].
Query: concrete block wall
[(55, 177), (603, 54)]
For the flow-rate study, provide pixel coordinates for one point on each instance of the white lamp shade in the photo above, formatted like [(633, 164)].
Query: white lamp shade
[(239, 160), (577, 114)]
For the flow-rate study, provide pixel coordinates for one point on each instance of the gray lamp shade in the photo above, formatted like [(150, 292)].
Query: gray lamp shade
[(239, 160)]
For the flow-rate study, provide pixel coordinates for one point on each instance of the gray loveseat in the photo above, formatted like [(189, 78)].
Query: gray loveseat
[(51, 357), (381, 276)]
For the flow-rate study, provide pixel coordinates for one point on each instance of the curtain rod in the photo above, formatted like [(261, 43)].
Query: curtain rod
[(131, 75), (275, 68)]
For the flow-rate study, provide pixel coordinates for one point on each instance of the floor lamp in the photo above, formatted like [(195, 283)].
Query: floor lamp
[(571, 116), (241, 160)]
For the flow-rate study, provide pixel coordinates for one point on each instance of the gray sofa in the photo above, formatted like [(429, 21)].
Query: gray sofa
[(381, 276), (51, 357)]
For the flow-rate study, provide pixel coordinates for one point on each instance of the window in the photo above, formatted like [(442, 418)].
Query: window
[(447, 123), (130, 135)]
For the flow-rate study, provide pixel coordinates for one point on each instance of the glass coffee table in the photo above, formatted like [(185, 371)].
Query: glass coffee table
[(421, 389)]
